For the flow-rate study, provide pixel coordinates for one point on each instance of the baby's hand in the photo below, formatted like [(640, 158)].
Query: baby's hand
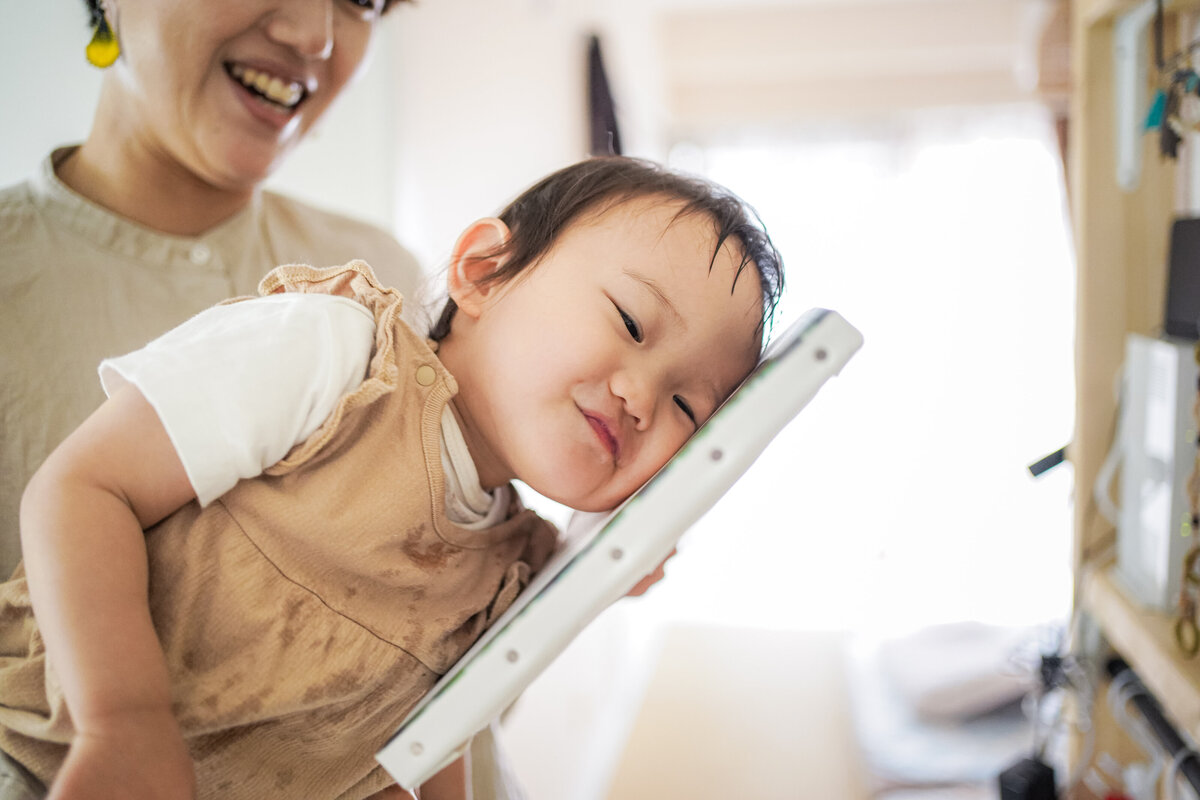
[(136, 755), (645, 583)]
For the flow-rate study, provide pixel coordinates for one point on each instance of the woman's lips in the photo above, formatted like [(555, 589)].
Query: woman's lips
[(278, 104), (605, 435), (280, 90)]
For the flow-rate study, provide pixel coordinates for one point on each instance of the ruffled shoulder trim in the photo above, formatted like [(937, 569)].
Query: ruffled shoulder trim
[(355, 281)]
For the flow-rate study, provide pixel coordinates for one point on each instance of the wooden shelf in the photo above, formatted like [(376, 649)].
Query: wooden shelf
[(1121, 255), (1094, 11), (1146, 640)]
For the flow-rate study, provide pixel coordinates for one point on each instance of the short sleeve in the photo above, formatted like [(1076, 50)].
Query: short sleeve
[(239, 385)]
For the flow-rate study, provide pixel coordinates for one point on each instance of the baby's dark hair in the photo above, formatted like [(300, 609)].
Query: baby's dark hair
[(540, 215), (96, 13)]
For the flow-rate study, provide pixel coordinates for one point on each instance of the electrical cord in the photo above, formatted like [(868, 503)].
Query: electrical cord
[(1104, 476), (1152, 721), (1171, 777)]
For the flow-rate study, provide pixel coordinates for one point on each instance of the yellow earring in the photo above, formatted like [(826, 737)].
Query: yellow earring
[(103, 49)]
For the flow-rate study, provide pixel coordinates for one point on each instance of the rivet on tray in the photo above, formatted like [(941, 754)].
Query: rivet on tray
[(512, 656)]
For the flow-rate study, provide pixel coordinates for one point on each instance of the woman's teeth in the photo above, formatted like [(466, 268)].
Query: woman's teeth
[(269, 87)]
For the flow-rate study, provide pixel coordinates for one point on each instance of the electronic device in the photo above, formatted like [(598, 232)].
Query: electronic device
[(592, 571), (1158, 451), (1182, 317), (1131, 76), (1028, 779), (1131, 67)]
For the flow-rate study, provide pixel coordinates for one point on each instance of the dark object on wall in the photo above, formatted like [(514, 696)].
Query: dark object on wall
[(1028, 779), (602, 112), (1047, 463), (1183, 280)]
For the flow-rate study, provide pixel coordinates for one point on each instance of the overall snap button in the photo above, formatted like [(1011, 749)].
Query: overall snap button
[(425, 375)]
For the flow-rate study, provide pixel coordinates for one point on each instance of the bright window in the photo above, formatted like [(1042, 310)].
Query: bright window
[(900, 497)]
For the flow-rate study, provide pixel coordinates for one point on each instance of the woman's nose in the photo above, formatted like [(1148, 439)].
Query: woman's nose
[(306, 26)]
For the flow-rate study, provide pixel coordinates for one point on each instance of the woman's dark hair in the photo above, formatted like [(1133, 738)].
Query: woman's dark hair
[(540, 215), (95, 13)]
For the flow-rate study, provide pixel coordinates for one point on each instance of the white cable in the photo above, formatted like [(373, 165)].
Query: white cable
[(1104, 477), (1079, 680), (1140, 780), (1084, 759), (1116, 702), (1171, 778)]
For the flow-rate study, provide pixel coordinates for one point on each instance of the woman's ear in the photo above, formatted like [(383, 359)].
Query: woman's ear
[(473, 259)]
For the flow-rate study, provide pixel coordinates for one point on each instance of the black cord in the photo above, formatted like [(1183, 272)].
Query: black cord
[(1168, 738)]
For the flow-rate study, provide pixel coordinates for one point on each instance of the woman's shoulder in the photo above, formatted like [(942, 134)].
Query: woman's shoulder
[(37, 196), (324, 238), (17, 207)]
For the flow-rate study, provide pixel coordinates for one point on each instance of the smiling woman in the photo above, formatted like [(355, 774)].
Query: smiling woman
[(218, 94), (160, 212)]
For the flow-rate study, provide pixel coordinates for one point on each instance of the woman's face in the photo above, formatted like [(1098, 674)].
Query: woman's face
[(225, 88)]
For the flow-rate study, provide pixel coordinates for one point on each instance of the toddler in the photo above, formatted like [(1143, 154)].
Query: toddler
[(293, 513)]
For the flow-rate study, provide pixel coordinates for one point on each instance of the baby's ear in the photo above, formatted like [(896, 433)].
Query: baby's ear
[(475, 258)]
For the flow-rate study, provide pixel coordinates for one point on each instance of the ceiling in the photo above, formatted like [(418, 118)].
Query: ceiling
[(792, 61)]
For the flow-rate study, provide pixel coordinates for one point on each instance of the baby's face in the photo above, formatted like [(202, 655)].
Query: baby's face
[(589, 370)]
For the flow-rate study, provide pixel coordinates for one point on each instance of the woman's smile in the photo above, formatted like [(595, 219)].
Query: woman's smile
[(271, 95), (278, 91)]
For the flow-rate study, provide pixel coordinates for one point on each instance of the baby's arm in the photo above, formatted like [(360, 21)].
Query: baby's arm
[(82, 517), (233, 406)]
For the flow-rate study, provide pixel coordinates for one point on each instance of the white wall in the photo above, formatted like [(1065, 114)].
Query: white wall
[(48, 90), (493, 97)]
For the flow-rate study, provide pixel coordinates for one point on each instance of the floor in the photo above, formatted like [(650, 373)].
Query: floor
[(743, 713)]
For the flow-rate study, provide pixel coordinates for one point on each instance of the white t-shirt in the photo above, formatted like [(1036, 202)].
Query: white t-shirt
[(238, 386)]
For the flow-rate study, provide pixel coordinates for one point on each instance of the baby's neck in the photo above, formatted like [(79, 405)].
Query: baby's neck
[(458, 357)]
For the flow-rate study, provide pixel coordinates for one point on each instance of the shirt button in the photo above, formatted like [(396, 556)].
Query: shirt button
[(425, 375), (200, 254)]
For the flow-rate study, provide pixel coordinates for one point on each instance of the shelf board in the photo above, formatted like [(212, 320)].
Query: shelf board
[(1146, 640)]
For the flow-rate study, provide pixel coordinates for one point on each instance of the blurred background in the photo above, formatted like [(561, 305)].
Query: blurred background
[(857, 617)]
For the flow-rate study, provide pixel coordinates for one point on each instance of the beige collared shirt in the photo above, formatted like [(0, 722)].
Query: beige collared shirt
[(79, 284)]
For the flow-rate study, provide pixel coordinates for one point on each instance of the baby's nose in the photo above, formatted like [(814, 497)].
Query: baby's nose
[(637, 395)]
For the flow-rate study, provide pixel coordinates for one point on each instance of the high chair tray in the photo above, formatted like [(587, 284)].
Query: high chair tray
[(593, 570)]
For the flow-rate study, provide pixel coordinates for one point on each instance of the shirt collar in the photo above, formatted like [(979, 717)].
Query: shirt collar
[(130, 239)]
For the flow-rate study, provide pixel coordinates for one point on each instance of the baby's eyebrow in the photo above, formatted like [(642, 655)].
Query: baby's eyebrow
[(657, 291)]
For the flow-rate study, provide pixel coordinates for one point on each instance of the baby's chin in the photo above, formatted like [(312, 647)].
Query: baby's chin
[(586, 489), (589, 504)]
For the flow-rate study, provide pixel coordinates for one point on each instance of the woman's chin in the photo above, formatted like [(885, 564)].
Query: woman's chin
[(244, 169)]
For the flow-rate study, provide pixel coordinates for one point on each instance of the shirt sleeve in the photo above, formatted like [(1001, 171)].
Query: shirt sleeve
[(238, 386)]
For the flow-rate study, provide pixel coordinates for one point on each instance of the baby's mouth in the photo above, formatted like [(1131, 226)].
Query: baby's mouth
[(280, 93), (605, 436)]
